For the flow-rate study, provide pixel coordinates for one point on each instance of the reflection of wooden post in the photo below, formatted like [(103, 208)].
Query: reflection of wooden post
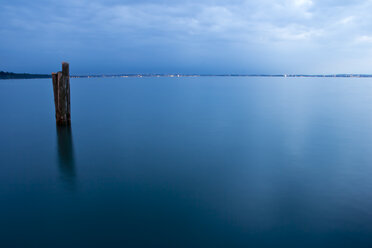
[(61, 88)]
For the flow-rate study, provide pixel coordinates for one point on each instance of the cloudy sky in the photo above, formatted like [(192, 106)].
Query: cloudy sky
[(188, 36)]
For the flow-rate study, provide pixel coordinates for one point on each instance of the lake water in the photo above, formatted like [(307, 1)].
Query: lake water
[(188, 162)]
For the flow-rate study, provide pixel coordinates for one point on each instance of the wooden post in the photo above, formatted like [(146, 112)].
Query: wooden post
[(61, 89)]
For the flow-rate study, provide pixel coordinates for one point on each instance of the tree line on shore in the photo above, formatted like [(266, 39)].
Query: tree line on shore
[(12, 75)]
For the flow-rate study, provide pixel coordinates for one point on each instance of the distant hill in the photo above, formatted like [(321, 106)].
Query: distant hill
[(12, 75)]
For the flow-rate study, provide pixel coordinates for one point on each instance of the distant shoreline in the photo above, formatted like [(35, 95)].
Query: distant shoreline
[(227, 75), (11, 75)]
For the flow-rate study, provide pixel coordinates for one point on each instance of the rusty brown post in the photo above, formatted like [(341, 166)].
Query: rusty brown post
[(61, 89)]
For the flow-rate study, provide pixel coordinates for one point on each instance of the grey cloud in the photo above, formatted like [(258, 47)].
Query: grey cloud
[(250, 36)]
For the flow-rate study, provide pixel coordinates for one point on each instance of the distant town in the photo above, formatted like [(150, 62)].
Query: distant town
[(12, 75)]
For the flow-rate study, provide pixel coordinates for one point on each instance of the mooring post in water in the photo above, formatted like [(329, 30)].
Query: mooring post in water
[(61, 88)]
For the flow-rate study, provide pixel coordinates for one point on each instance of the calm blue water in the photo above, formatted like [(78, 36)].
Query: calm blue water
[(188, 162)]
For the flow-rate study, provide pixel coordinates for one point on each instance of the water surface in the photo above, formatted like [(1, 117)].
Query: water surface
[(188, 162)]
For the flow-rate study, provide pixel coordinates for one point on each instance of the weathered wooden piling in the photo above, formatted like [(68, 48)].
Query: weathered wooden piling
[(61, 88)]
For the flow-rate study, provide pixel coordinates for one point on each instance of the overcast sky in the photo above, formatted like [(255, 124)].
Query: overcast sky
[(188, 36)]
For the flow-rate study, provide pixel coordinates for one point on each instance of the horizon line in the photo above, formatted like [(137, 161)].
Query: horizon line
[(218, 75), (12, 75)]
